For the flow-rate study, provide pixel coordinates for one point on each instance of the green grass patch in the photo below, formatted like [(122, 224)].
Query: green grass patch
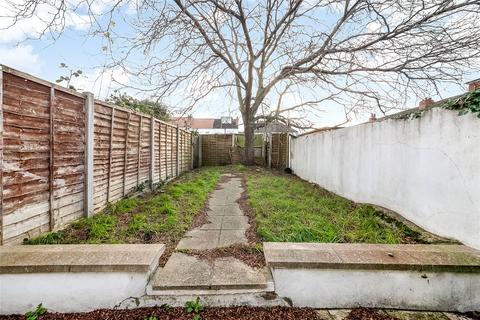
[(289, 209), (163, 215)]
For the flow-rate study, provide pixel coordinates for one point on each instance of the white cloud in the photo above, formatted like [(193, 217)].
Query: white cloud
[(20, 57), (35, 26)]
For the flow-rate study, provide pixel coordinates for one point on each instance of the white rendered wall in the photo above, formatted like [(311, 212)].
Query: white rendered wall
[(318, 288), (68, 292), (427, 169)]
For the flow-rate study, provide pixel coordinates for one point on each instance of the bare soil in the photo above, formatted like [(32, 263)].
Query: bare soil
[(164, 313), (249, 255), (251, 233), (368, 314)]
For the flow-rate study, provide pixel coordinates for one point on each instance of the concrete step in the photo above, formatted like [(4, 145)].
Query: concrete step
[(188, 273)]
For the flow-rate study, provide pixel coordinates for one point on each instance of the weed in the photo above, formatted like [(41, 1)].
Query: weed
[(141, 186), (48, 238), (166, 307), (194, 306), (151, 318), (33, 315)]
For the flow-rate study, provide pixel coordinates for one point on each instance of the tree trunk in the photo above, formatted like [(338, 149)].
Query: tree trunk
[(249, 139)]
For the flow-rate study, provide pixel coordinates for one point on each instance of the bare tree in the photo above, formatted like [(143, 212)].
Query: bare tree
[(359, 53)]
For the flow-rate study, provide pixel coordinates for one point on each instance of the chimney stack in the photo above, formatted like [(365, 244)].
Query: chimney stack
[(373, 117), (425, 103), (473, 85)]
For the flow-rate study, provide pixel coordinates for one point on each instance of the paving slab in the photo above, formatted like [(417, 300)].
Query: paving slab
[(230, 237), (80, 258), (453, 316), (200, 239), (323, 315), (416, 315), (183, 272), (230, 273), (235, 223), (225, 210), (226, 226), (339, 314), (214, 223)]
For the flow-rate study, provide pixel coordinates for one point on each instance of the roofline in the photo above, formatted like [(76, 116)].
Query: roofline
[(436, 104), (472, 81)]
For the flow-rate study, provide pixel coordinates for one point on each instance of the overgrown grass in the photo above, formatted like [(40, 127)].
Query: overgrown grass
[(289, 209), (163, 215)]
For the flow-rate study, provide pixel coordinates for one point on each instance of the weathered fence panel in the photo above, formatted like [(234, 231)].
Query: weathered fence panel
[(44, 151), (43, 156), (216, 149), (279, 150), (269, 149)]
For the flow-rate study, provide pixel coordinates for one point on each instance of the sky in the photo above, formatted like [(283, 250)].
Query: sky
[(75, 48)]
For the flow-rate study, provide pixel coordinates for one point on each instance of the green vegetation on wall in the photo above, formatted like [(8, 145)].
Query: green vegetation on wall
[(466, 104), (154, 108)]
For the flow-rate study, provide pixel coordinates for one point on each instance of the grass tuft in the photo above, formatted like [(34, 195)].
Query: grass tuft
[(289, 209)]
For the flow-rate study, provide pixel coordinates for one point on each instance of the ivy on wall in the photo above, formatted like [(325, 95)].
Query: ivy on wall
[(466, 104)]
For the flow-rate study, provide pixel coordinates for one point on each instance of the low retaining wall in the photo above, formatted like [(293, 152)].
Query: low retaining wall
[(74, 278), (427, 169), (417, 277)]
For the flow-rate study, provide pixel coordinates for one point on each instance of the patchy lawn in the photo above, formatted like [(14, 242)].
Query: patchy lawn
[(162, 216), (288, 209)]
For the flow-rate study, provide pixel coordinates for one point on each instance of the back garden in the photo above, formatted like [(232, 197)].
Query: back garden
[(285, 209), (280, 208)]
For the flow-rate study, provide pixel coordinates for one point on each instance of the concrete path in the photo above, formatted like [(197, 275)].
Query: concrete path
[(227, 225)]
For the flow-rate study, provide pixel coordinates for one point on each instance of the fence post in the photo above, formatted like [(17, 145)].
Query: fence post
[(125, 158), (51, 176), (139, 151), (159, 151), (199, 150), (152, 150), (191, 151), (89, 111), (270, 146), (171, 152), (289, 141), (178, 152), (110, 154), (1, 156), (166, 150)]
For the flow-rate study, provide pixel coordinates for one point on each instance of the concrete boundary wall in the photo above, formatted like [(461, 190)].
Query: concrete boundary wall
[(341, 275), (65, 155), (427, 169), (74, 278)]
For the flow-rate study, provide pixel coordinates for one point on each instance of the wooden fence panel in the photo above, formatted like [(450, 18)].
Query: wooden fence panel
[(43, 152), (216, 149), (43, 156), (279, 150), (68, 158)]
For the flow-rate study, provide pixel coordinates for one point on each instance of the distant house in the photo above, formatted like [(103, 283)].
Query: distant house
[(274, 127), (208, 125)]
